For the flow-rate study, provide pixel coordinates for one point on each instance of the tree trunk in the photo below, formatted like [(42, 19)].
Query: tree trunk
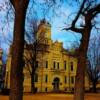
[(32, 84), (34, 66), (82, 57), (16, 76), (79, 83)]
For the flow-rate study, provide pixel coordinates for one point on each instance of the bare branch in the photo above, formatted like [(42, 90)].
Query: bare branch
[(77, 30), (78, 14)]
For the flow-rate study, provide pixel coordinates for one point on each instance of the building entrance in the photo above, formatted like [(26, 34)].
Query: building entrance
[(56, 83)]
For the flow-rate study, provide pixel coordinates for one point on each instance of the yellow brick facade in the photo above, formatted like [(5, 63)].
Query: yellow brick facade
[(56, 68)]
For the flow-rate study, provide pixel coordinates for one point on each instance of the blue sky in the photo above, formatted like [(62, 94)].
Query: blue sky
[(58, 21)]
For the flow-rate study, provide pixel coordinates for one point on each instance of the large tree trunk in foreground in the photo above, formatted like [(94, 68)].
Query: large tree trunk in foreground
[(16, 76), (82, 57), (79, 83), (88, 11)]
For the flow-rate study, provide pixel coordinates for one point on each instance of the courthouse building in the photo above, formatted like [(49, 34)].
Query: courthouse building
[(56, 69)]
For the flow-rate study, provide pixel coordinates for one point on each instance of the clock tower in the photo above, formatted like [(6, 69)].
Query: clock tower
[(44, 30)]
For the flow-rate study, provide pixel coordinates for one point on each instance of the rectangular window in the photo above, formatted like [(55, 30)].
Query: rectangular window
[(71, 65), (65, 65), (72, 79), (58, 65), (46, 78), (54, 64), (46, 64), (65, 79), (36, 77), (46, 89), (37, 64)]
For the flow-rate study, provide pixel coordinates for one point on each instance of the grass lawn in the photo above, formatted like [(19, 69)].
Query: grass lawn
[(54, 97)]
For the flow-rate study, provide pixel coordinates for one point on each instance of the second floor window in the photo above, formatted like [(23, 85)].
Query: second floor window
[(46, 64), (72, 79), (54, 64), (71, 65), (65, 65), (37, 64), (58, 65), (46, 78), (36, 77), (65, 79)]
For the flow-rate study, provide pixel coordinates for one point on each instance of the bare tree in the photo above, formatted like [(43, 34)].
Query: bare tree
[(35, 44), (18, 41), (16, 77), (93, 66), (88, 11), (30, 46)]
